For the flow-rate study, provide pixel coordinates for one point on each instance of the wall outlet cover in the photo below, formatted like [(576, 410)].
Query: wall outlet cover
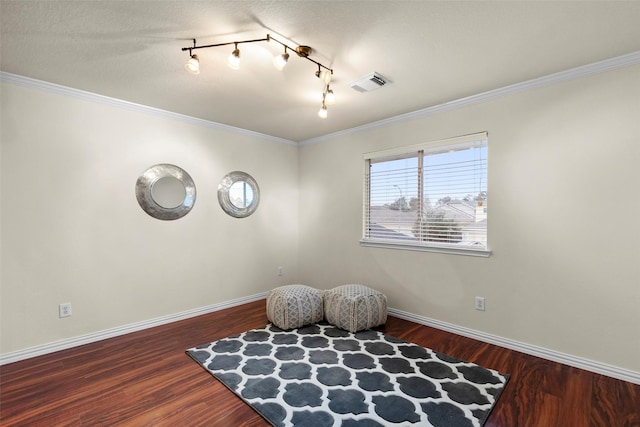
[(64, 310)]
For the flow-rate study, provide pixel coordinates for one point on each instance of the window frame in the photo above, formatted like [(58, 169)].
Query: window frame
[(419, 150)]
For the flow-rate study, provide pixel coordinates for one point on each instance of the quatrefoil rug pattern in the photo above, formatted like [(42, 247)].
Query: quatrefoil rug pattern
[(320, 375)]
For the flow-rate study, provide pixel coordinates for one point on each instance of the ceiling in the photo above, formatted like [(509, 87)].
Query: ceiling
[(432, 52)]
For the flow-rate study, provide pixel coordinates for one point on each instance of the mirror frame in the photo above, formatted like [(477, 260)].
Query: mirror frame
[(225, 201), (150, 177)]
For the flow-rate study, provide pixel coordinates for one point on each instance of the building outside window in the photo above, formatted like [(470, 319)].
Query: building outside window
[(430, 197)]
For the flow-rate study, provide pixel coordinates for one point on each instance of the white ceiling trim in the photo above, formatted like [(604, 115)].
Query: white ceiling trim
[(571, 74), (562, 76), (131, 106)]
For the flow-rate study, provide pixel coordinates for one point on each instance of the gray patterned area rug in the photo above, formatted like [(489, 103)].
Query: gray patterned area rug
[(320, 375)]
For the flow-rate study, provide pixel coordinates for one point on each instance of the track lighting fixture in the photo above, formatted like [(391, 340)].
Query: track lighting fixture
[(280, 61), (234, 59), (193, 64), (325, 75), (329, 97), (323, 111)]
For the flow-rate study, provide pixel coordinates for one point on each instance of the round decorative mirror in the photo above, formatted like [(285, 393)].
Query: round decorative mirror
[(166, 192), (238, 194)]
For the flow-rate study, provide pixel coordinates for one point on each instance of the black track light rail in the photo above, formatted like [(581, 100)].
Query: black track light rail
[(194, 47), (302, 51)]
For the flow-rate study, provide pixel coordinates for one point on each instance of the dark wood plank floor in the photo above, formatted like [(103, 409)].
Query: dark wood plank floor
[(146, 379)]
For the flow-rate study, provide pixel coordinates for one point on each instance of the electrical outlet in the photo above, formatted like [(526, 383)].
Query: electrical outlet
[(280, 273), (480, 303), (64, 310)]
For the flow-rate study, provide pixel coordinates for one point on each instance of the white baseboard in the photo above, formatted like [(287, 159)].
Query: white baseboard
[(544, 353), (532, 350), (27, 353)]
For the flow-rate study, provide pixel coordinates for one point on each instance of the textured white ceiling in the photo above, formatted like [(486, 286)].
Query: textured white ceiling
[(433, 52)]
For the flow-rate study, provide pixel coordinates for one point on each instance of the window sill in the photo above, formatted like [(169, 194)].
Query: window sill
[(387, 244)]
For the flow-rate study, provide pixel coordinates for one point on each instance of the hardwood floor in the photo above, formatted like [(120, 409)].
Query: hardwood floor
[(146, 379)]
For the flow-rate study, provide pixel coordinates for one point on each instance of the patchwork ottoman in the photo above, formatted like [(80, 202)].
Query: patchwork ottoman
[(355, 307), (293, 306)]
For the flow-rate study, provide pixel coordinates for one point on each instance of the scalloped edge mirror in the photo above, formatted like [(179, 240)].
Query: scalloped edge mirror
[(166, 192), (238, 194)]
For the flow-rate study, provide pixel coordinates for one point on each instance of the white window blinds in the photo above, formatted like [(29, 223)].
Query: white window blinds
[(428, 197)]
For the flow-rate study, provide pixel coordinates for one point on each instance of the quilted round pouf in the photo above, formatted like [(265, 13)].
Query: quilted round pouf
[(355, 307), (293, 306)]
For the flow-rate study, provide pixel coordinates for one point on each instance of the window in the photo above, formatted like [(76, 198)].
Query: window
[(430, 197)]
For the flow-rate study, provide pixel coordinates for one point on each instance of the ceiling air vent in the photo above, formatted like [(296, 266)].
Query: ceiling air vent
[(369, 82)]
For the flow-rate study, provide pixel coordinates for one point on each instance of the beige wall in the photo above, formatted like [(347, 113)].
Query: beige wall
[(563, 226), (563, 220), (72, 230)]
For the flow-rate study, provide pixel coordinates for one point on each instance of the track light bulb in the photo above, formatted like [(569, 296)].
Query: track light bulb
[(326, 77), (280, 61), (193, 65), (323, 112), (234, 59), (330, 98)]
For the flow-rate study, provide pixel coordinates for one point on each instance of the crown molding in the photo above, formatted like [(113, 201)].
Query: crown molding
[(131, 106), (548, 80)]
